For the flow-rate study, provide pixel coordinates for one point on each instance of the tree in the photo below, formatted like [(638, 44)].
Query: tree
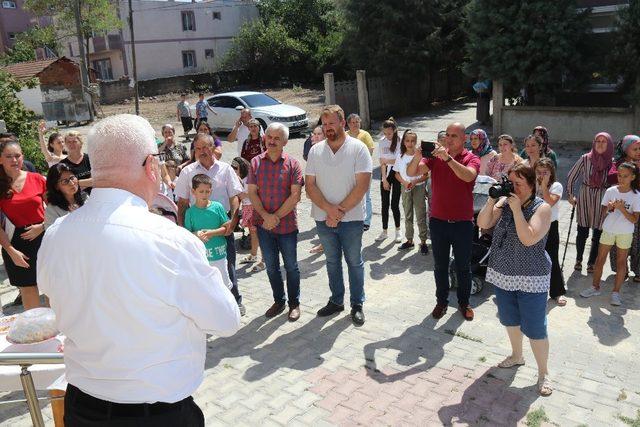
[(27, 42), (536, 45), (298, 39), (393, 38), (18, 119), (624, 59)]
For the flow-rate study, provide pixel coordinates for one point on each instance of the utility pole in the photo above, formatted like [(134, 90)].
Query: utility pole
[(133, 59), (84, 77)]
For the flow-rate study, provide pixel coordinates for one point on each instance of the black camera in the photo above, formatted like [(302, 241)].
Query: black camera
[(503, 188), (427, 148)]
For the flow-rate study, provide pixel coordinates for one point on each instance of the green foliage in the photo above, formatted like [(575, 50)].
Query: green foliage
[(538, 45), (18, 119), (536, 418), (624, 59), (298, 39), (27, 42)]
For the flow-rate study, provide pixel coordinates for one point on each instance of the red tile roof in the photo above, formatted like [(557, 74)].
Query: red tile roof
[(25, 70)]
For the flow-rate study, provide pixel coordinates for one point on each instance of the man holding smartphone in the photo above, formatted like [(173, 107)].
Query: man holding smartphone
[(453, 172)]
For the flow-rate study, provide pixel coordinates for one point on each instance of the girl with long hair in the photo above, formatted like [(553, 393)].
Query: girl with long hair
[(533, 150), (594, 168), (499, 165), (621, 207), (53, 149), (389, 150), (63, 193), (546, 150)]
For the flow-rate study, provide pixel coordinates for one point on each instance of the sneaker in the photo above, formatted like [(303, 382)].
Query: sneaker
[(590, 292), (242, 309), (248, 259), (330, 309), (439, 311), (398, 236), (382, 236), (357, 315), (406, 245), (615, 298), (366, 227), (424, 249)]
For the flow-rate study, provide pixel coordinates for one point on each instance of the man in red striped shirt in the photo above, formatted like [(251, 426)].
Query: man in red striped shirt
[(275, 183)]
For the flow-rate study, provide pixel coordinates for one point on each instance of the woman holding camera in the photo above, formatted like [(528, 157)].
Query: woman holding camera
[(520, 268)]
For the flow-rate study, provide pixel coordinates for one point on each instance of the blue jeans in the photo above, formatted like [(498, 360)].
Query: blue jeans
[(345, 239), (368, 208), (231, 267), (446, 235), (271, 245)]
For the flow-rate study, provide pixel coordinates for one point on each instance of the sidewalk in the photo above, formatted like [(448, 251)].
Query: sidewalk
[(403, 367)]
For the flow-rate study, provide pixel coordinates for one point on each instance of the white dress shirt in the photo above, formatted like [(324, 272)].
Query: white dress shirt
[(134, 295), (226, 183)]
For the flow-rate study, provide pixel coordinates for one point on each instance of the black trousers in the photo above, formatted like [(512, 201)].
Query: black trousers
[(393, 196), (553, 246), (581, 240), (84, 410)]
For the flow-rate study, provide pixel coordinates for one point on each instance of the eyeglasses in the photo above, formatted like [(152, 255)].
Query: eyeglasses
[(69, 180), (161, 157)]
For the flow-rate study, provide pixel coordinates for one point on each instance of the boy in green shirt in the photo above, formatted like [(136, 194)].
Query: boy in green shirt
[(208, 221)]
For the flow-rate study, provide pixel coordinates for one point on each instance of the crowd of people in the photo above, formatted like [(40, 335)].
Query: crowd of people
[(260, 190)]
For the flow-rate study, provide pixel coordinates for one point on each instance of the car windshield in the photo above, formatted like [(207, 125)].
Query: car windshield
[(259, 100)]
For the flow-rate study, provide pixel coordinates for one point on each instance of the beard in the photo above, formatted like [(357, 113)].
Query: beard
[(332, 135)]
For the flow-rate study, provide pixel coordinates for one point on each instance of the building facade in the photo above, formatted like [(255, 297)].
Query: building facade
[(172, 38), (14, 20)]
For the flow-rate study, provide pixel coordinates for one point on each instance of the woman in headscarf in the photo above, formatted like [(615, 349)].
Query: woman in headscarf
[(594, 167), (546, 151), (481, 147), (628, 150)]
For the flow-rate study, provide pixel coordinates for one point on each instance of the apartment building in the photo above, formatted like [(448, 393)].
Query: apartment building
[(14, 20)]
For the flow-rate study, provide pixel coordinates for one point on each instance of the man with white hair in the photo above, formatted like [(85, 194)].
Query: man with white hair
[(226, 188), (275, 183), (137, 302)]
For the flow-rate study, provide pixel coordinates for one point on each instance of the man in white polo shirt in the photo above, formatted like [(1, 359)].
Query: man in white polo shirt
[(337, 178)]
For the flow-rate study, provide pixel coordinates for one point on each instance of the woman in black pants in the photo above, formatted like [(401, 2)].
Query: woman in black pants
[(390, 189), (548, 189)]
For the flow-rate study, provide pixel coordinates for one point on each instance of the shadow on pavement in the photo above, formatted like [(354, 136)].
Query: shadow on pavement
[(490, 401), (295, 350), (416, 342)]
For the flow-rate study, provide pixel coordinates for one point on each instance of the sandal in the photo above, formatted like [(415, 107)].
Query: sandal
[(259, 266), (318, 249), (589, 268), (578, 266), (561, 301), (248, 259), (510, 362), (544, 386)]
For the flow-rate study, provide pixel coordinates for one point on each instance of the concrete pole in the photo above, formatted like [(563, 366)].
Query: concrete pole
[(133, 59), (363, 99), (498, 103), (329, 89)]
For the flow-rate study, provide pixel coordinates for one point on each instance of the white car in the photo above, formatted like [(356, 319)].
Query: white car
[(263, 108)]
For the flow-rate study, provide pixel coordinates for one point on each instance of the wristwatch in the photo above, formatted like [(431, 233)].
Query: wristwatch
[(449, 159)]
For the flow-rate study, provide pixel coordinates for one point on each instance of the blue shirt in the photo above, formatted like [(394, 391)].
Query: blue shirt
[(201, 109)]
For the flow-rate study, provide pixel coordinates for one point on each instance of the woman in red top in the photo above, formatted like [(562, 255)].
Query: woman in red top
[(22, 201), (254, 144)]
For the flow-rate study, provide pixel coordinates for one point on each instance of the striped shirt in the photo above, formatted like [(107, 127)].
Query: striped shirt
[(274, 181)]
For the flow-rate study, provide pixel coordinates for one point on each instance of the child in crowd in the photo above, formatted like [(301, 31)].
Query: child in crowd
[(548, 189), (414, 194), (241, 167), (622, 206), (208, 221)]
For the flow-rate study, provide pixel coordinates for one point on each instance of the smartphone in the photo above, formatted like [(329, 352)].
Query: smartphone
[(427, 148)]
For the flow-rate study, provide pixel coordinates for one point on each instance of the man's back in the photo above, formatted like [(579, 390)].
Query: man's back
[(133, 301)]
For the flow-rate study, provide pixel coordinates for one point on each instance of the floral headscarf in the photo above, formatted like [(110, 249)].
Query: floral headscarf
[(601, 162), (544, 134), (485, 144), (623, 147)]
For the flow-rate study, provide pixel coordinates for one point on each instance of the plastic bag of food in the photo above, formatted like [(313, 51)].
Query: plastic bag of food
[(33, 326)]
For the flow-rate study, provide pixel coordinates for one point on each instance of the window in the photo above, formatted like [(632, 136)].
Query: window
[(224, 102), (188, 21), (188, 59), (12, 36), (103, 69), (208, 53), (9, 4), (217, 15)]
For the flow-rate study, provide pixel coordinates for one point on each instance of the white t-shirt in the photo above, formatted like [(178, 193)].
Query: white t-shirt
[(615, 222), (246, 201), (385, 153), (556, 188), (400, 166), (335, 174)]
